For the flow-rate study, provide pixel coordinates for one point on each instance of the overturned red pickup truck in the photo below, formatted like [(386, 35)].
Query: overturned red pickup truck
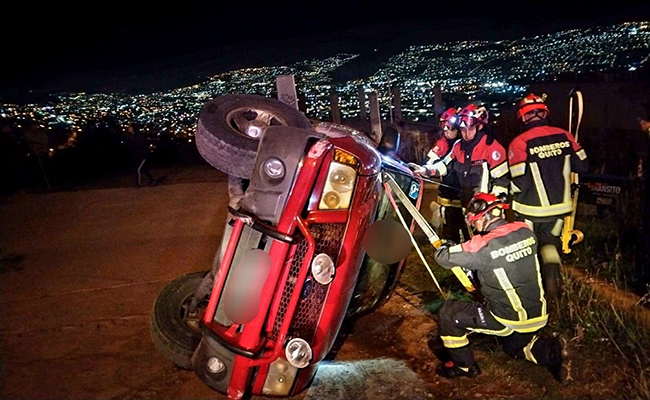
[(292, 264)]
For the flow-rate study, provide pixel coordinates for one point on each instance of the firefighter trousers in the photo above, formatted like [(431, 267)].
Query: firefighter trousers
[(454, 224), (457, 319), (548, 235)]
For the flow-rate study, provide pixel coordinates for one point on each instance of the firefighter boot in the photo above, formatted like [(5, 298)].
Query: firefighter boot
[(552, 353), (559, 365), (450, 370)]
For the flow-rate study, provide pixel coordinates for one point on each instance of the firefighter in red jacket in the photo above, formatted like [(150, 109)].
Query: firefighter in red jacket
[(448, 198), (541, 160), (478, 160), (449, 126), (504, 257)]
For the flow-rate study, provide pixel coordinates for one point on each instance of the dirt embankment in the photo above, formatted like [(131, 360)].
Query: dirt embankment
[(85, 267), (627, 302)]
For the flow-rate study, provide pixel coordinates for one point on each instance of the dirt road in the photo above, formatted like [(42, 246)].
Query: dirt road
[(81, 271)]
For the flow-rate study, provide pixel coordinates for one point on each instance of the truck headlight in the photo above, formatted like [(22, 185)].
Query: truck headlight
[(337, 192), (322, 268)]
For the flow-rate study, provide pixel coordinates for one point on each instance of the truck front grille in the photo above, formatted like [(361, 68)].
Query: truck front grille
[(328, 238)]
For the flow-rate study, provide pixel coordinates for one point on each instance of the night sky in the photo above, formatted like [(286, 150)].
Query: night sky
[(103, 46)]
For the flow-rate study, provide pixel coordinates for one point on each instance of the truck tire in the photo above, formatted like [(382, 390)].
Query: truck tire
[(174, 331), (227, 133)]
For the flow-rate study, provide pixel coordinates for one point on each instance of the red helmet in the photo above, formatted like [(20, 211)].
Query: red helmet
[(472, 115), (530, 103), (449, 119), (482, 203)]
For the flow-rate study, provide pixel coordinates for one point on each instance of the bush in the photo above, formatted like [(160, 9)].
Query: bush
[(596, 320)]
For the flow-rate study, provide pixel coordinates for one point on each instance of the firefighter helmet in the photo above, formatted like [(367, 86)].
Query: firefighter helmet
[(449, 119), (472, 115), (482, 205), (532, 102)]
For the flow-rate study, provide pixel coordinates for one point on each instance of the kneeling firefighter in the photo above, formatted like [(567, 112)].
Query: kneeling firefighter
[(503, 255)]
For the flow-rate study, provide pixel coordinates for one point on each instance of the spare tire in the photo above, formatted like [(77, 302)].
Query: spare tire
[(229, 129)]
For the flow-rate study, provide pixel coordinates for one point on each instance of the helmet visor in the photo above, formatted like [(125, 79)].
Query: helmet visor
[(466, 121), (475, 209)]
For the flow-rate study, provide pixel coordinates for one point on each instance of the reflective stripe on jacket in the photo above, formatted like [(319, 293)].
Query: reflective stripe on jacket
[(505, 260), (541, 161), (479, 166), (448, 195)]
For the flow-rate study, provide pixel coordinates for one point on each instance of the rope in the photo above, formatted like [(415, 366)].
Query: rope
[(417, 247)]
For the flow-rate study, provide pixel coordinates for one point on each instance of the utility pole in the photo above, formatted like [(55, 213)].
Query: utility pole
[(438, 106), (397, 103), (37, 141), (363, 115), (375, 118), (334, 106), (390, 104)]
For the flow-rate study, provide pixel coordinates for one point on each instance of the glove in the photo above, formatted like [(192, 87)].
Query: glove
[(418, 169), (446, 244), (574, 187), (449, 242), (433, 157)]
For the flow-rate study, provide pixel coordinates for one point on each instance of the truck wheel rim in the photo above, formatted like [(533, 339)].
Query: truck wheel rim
[(250, 122)]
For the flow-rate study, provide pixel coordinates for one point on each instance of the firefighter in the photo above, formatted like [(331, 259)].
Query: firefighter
[(449, 127), (448, 198), (503, 255), (540, 161), (478, 160)]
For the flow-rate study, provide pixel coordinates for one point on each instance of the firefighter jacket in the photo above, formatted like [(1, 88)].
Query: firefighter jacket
[(541, 161), (479, 164), (506, 265), (448, 196), (440, 149)]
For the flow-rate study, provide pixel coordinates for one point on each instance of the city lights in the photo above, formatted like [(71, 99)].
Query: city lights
[(476, 69)]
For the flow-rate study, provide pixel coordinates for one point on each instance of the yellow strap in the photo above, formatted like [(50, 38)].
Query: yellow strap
[(569, 220), (426, 228), (462, 277), (448, 203), (413, 241)]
